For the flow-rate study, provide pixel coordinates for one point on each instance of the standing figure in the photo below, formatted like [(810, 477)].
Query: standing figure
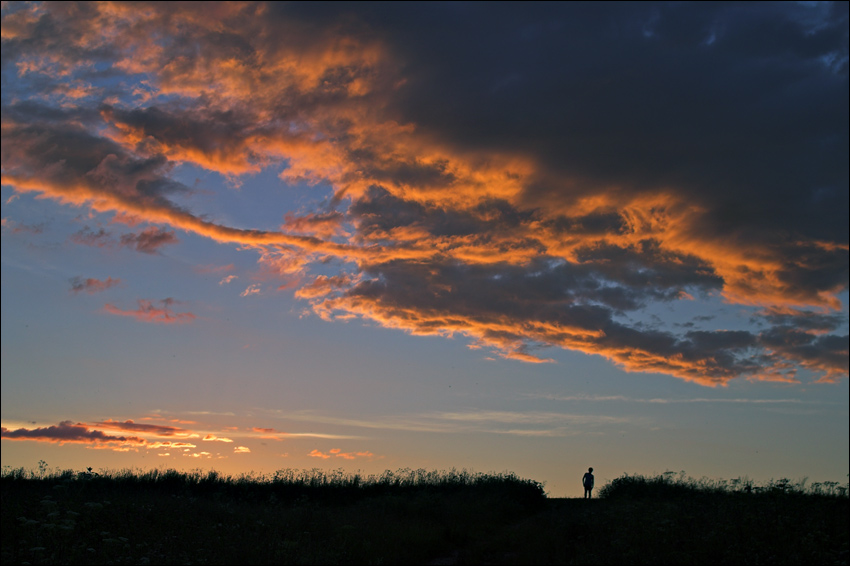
[(587, 482)]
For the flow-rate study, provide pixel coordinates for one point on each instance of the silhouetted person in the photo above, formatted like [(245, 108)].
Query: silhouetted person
[(587, 482)]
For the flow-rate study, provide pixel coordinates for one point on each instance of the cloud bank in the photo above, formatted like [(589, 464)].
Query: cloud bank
[(525, 178)]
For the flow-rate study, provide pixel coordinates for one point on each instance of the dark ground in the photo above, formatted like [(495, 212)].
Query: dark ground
[(76, 522)]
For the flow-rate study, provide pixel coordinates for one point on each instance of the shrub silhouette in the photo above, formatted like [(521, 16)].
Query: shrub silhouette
[(411, 517)]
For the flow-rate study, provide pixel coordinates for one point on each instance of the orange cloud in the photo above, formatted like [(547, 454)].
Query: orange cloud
[(92, 285), (251, 290), (436, 234), (338, 453), (323, 225), (147, 312), (170, 444), (94, 434), (66, 431), (494, 317), (214, 438)]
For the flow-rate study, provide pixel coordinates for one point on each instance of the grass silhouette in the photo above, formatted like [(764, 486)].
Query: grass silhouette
[(411, 517)]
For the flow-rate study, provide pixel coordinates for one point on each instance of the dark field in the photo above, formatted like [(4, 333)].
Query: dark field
[(411, 517)]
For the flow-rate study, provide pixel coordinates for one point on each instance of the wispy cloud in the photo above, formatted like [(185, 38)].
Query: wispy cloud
[(251, 290), (338, 453), (91, 285), (171, 444), (265, 430), (471, 420), (215, 268), (213, 413), (87, 237), (148, 312), (271, 433), (20, 228), (149, 240), (665, 401), (214, 438)]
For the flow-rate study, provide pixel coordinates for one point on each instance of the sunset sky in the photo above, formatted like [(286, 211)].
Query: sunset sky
[(525, 237)]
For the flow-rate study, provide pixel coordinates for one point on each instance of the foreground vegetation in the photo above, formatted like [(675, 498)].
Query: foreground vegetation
[(412, 517)]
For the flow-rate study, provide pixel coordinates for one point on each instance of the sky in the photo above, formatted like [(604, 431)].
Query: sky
[(503, 237)]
